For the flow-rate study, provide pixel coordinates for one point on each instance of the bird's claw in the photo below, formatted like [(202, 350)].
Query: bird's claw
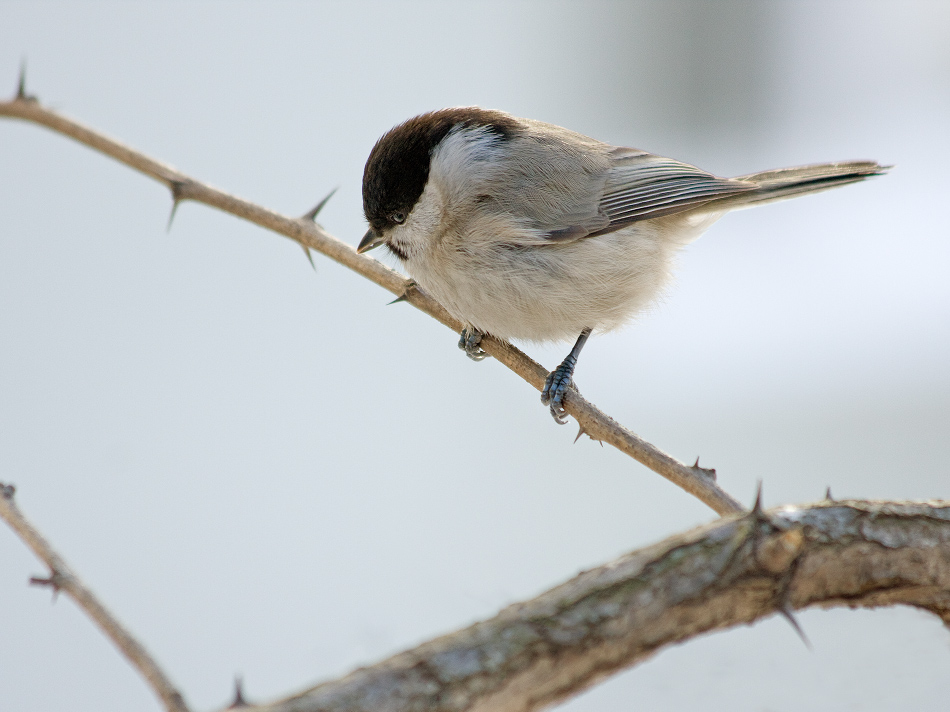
[(555, 387), (469, 343)]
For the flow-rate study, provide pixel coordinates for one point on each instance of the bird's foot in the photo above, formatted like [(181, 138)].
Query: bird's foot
[(555, 387), (469, 343)]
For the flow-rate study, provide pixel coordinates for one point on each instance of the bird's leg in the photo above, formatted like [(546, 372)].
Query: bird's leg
[(469, 343), (560, 379)]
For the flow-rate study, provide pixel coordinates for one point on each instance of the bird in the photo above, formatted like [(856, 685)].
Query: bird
[(526, 230)]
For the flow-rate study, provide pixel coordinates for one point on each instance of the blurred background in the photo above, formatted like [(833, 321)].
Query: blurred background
[(268, 472)]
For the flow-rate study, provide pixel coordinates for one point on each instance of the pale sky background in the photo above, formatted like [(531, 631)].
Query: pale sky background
[(269, 472)]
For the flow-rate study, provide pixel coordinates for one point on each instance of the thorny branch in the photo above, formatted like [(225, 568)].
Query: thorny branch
[(699, 482), (533, 654), (734, 571), (62, 579)]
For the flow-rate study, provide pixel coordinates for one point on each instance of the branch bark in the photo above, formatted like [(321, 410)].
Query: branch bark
[(537, 653), (734, 571), (699, 482), (62, 578)]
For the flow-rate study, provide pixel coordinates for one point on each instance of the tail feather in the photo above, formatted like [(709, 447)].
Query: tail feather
[(791, 182)]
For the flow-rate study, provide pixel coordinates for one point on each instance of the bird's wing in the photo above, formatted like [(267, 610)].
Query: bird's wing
[(642, 186)]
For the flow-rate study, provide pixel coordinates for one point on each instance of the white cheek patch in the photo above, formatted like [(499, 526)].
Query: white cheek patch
[(423, 224), (459, 165)]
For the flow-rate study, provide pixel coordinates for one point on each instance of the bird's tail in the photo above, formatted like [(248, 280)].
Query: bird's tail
[(791, 182)]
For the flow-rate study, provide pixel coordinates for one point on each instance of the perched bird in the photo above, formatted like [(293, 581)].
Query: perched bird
[(526, 230)]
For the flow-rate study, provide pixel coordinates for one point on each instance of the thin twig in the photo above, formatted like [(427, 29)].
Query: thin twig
[(592, 421), (62, 579), (734, 571)]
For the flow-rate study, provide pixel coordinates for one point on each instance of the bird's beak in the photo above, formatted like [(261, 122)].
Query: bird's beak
[(369, 241)]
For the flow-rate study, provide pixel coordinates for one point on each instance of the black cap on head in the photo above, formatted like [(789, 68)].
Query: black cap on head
[(398, 166)]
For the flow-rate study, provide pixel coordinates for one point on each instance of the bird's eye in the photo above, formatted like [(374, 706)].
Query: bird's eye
[(398, 218)]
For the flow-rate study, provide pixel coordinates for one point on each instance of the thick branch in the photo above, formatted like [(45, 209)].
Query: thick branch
[(695, 480), (535, 654), (62, 578), (731, 572)]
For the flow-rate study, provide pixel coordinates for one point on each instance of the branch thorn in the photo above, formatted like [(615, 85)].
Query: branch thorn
[(311, 214), (175, 187), (306, 251), (410, 285), (239, 700), (828, 494), (53, 581), (21, 94), (787, 614), (21, 85), (710, 472), (757, 505), (580, 431), (171, 216)]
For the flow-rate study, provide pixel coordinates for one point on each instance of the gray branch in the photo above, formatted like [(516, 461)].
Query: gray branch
[(734, 571), (62, 579), (537, 653), (697, 481)]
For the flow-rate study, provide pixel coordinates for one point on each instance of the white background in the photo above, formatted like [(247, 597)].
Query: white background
[(269, 472)]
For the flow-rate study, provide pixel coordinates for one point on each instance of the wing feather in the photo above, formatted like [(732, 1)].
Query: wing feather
[(642, 186)]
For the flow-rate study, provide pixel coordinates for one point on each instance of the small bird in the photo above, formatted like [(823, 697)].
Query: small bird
[(526, 230)]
